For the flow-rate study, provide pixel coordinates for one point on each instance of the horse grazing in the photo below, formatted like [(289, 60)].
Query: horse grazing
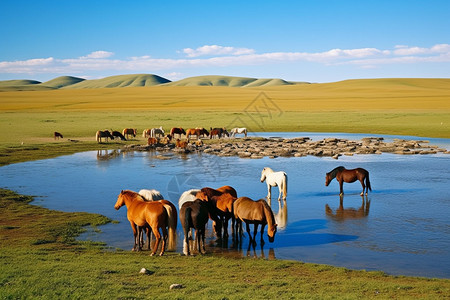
[(219, 132), (236, 130), (118, 135), (156, 215), (177, 130), (154, 132), (223, 199), (103, 134), (342, 174), (146, 133), (275, 179), (194, 214), (129, 131), (57, 135), (151, 195), (198, 132), (255, 212)]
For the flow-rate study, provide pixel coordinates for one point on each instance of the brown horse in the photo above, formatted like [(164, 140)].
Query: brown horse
[(342, 174), (129, 131), (342, 213), (177, 130), (181, 144), (255, 212), (57, 135), (219, 132), (103, 134), (194, 214), (156, 215), (223, 198), (198, 132)]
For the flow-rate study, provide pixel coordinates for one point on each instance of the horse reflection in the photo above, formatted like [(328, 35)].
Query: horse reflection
[(252, 246), (341, 213), (281, 215), (107, 154)]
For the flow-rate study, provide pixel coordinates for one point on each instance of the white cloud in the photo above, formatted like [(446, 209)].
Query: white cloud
[(219, 56), (210, 50)]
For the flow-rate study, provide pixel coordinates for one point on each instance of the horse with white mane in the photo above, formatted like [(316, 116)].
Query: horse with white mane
[(157, 132), (236, 130), (187, 196), (151, 195), (275, 179)]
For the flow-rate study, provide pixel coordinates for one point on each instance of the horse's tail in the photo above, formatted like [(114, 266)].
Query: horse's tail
[(97, 136), (172, 214), (285, 185), (368, 182)]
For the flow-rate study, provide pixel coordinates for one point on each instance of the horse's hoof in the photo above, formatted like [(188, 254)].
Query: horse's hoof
[(152, 254), (362, 194), (161, 254)]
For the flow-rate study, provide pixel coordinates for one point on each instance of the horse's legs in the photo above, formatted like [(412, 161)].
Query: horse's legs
[(248, 231), (255, 231), (133, 227), (164, 239), (280, 189), (262, 233), (269, 195), (341, 186), (157, 240), (363, 186), (225, 226)]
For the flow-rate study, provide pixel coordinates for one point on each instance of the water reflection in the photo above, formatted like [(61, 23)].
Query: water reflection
[(341, 213), (107, 154), (281, 215)]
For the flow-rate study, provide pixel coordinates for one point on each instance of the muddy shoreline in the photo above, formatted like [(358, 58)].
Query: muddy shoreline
[(255, 148)]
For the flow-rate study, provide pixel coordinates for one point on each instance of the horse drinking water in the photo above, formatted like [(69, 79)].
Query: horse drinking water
[(342, 174), (275, 179)]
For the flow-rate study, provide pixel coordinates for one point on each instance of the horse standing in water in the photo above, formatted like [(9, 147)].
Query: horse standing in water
[(275, 179), (194, 214), (254, 212), (156, 215), (342, 174)]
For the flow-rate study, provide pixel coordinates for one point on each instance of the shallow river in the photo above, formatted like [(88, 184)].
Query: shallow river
[(402, 227)]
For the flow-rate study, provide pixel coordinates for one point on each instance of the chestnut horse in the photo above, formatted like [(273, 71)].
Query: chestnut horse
[(342, 174), (57, 135), (197, 132), (156, 215), (194, 214), (223, 198), (129, 131), (177, 130), (255, 212), (103, 134)]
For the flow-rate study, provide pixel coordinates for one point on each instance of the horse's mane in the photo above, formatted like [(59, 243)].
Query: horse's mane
[(210, 192), (268, 212), (267, 168), (132, 194), (333, 172)]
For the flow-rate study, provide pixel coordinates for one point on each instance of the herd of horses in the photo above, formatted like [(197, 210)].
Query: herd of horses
[(155, 133), (148, 212)]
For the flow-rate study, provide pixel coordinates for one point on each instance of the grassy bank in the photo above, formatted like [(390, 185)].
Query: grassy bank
[(41, 259)]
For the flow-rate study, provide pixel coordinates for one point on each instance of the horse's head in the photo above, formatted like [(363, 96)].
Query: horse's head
[(271, 232), (120, 201), (327, 179), (263, 175)]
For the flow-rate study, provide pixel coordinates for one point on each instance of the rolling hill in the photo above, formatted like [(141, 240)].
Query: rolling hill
[(134, 80), (62, 81), (215, 80)]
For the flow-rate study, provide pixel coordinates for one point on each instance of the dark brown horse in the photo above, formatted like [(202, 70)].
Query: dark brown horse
[(342, 174), (219, 132), (194, 214), (118, 135), (129, 131), (223, 198), (255, 212), (57, 135), (156, 215), (177, 130)]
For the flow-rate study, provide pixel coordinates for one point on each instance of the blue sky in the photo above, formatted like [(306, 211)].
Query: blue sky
[(315, 41)]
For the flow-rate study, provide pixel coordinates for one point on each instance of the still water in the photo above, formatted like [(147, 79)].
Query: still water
[(402, 227)]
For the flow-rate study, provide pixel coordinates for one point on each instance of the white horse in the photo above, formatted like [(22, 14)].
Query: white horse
[(189, 195), (157, 131), (151, 195), (275, 179), (236, 130)]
